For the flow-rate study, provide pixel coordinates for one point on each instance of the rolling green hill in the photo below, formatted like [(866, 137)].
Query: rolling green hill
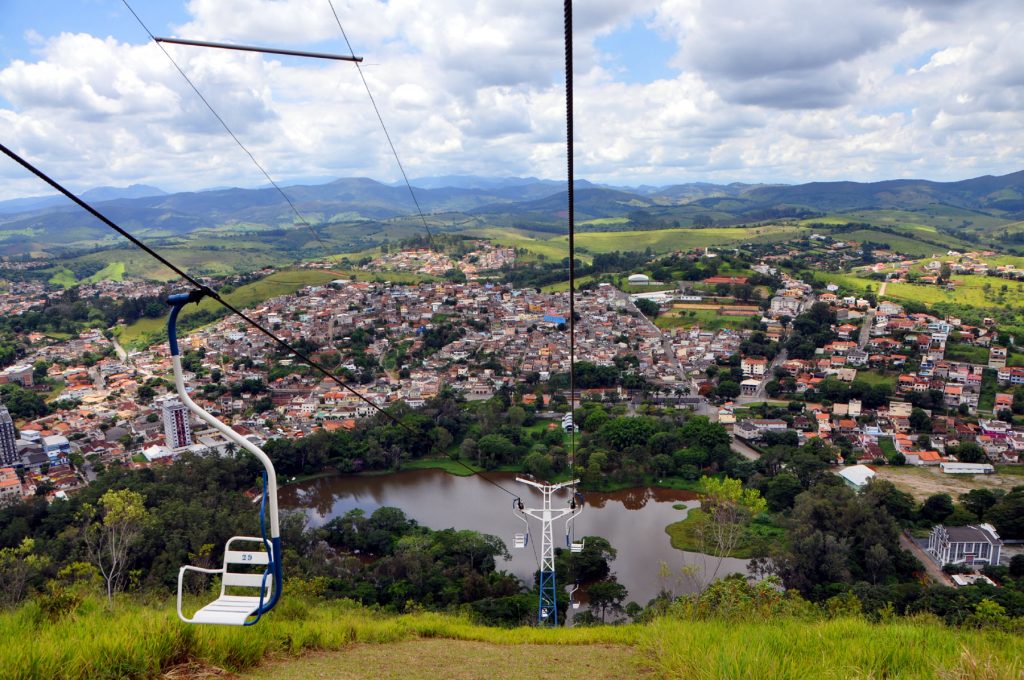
[(356, 213)]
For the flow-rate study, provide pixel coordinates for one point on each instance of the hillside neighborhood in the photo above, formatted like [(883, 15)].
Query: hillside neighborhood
[(809, 361)]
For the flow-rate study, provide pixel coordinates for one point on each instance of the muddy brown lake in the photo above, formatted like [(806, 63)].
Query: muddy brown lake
[(632, 520)]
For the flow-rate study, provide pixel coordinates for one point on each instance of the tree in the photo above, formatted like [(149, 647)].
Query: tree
[(877, 562), (728, 389), (538, 464), (1017, 565), (110, 535), (968, 452), (18, 566), (1008, 514), (937, 507), (22, 403), (781, 491), (648, 308), (978, 501), (606, 596), (728, 508), (920, 420)]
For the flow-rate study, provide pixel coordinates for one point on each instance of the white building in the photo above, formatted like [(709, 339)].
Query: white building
[(965, 545), (857, 476), (177, 430), (8, 450)]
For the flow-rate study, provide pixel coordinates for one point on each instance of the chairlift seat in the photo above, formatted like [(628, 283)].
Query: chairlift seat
[(520, 540), (233, 610), (575, 604), (576, 547)]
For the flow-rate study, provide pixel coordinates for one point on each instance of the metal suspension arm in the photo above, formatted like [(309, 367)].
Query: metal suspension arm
[(177, 302), (577, 510)]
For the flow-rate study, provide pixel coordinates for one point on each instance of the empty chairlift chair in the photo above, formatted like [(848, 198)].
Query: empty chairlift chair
[(236, 574), (520, 540), (251, 563), (570, 542)]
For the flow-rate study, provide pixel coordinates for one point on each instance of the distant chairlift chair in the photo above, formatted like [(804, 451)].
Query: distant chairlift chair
[(254, 568), (570, 543), (520, 540)]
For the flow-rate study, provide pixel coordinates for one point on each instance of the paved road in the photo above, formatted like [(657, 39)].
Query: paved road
[(865, 328), (930, 567), (121, 354), (744, 450), (769, 375)]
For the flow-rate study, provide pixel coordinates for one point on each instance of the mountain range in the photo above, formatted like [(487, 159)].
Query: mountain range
[(52, 224)]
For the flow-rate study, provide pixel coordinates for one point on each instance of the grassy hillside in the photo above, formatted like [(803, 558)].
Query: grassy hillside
[(144, 331), (554, 248), (137, 641)]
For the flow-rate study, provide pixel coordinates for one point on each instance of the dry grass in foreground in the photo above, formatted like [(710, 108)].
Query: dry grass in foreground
[(458, 660)]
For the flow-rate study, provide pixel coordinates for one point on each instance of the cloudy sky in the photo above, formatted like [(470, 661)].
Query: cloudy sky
[(666, 91)]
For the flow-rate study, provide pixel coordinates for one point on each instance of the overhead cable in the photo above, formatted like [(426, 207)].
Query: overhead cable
[(384, 127), (259, 166), (572, 242)]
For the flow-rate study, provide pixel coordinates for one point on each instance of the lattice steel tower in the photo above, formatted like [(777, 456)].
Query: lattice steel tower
[(547, 606)]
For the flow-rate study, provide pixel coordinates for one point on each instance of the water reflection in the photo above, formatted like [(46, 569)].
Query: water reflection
[(633, 520)]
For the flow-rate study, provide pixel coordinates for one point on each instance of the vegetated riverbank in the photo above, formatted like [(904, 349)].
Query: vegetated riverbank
[(83, 640), (464, 468), (755, 538)]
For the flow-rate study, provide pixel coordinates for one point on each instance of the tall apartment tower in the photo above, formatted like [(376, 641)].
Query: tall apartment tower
[(8, 450), (176, 428)]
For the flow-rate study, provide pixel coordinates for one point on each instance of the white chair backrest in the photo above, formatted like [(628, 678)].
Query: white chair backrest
[(247, 558)]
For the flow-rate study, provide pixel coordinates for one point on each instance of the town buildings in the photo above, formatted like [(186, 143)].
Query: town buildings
[(8, 450)]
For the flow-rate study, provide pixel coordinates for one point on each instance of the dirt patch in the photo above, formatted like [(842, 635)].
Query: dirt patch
[(458, 660), (922, 482)]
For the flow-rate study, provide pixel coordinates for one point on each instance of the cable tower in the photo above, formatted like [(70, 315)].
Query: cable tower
[(547, 605)]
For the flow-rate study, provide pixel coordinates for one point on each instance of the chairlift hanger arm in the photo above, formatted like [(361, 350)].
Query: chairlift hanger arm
[(227, 609), (553, 487), (264, 50)]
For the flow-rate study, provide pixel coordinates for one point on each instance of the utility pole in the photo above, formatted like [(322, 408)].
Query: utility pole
[(547, 607)]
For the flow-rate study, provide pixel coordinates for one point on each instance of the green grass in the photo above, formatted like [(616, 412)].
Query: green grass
[(755, 538), (553, 249), (887, 446), (707, 319), (64, 278), (830, 650), (145, 331), (308, 639), (563, 286), (971, 353), (875, 378), (228, 256), (112, 272), (989, 387)]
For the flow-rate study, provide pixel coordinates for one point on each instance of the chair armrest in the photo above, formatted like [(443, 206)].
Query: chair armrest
[(181, 579), (189, 567)]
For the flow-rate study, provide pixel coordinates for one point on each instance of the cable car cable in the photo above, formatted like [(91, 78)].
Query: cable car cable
[(382, 125), (571, 214)]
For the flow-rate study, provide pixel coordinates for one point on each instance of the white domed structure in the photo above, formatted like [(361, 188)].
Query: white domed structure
[(639, 279)]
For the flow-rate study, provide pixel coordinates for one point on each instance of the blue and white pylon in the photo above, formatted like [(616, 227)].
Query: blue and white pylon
[(547, 606)]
